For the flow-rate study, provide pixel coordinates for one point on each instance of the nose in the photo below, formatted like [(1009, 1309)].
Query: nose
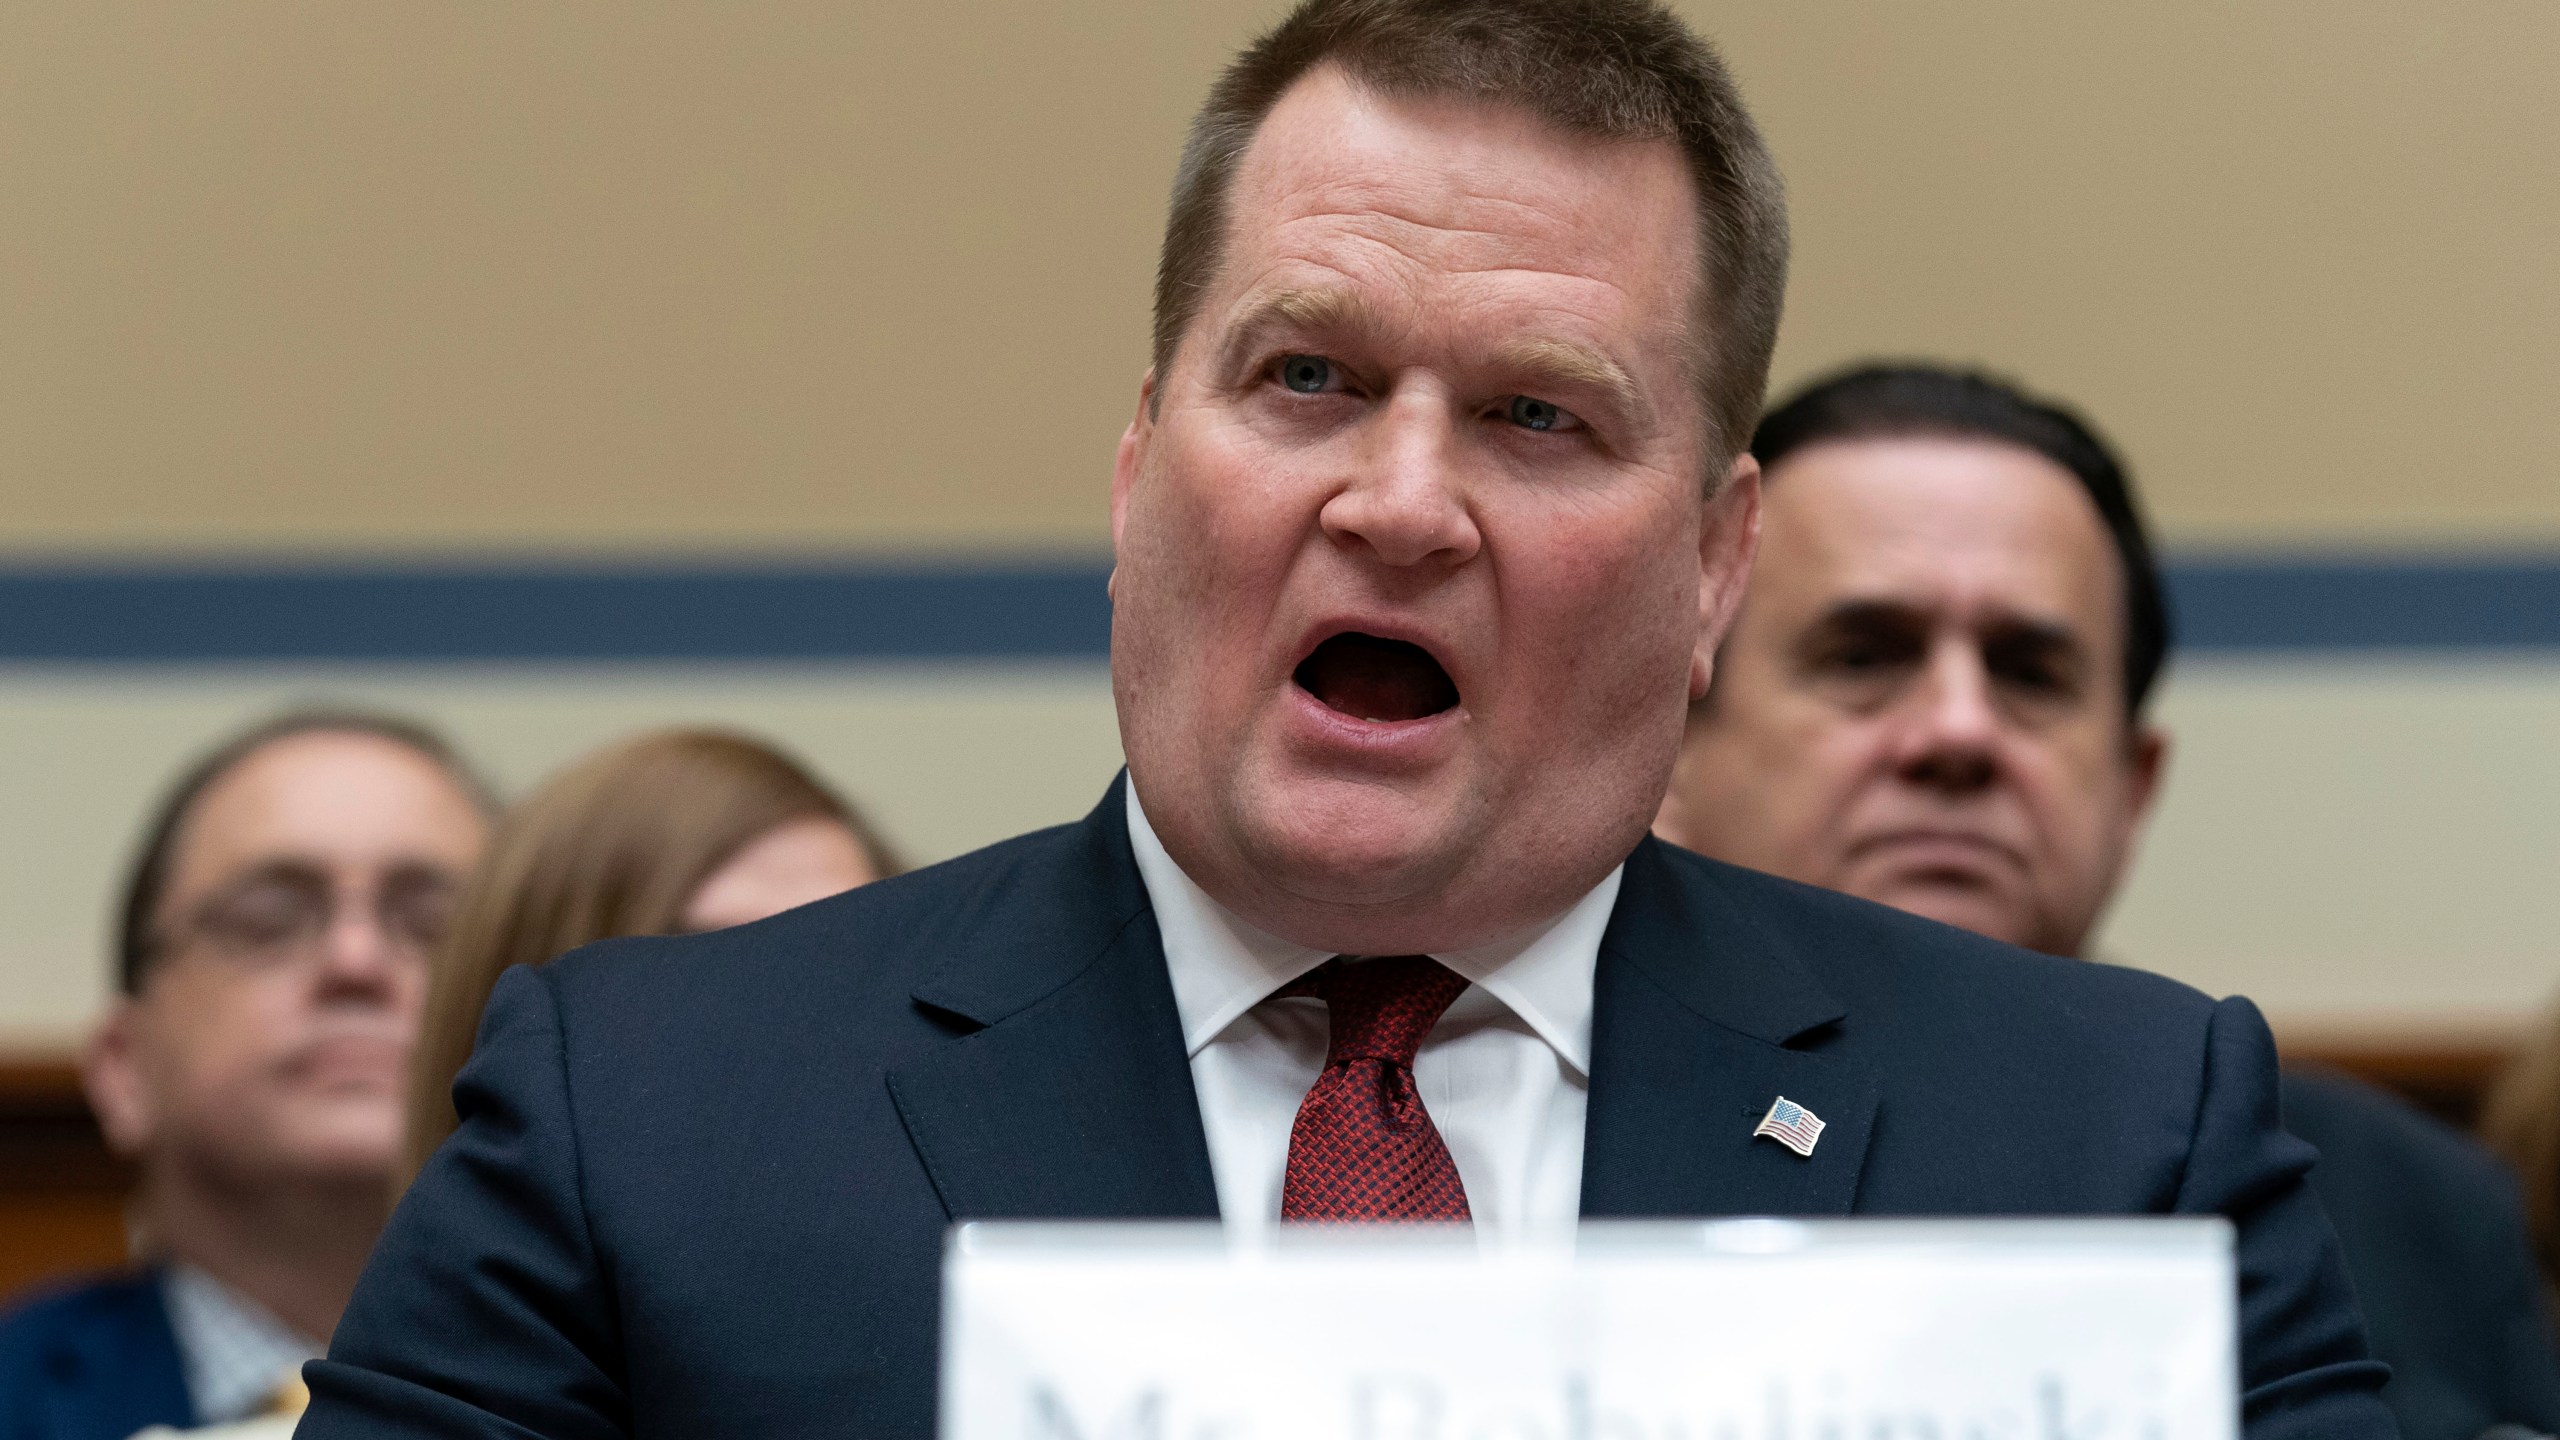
[(1949, 740), (1405, 501), (359, 957)]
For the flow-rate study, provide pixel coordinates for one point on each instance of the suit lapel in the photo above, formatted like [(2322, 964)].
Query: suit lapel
[(1073, 1097), (111, 1367), (1700, 1019)]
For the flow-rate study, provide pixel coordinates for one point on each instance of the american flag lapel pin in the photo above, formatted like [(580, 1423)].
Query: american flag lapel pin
[(1791, 1125)]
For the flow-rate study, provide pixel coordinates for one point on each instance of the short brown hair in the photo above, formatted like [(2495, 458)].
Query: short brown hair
[(1612, 69), (614, 845)]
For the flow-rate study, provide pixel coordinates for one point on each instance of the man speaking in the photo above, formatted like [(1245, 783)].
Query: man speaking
[(1431, 515)]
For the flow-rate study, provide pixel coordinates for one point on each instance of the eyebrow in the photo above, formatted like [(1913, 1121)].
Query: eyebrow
[(1313, 311), (1868, 612), (274, 869), (2052, 640), (1581, 367), (1540, 358)]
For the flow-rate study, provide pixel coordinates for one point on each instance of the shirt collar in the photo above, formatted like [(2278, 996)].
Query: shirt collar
[(234, 1351), (1222, 967)]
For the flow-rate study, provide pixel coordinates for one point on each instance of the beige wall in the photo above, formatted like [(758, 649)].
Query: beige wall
[(367, 275), (346, 278), (2361, 847), (2297, 257), (357, 275)]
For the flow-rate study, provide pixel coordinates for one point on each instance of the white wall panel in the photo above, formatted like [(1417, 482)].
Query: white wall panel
[(2354, 844), (2357, 842)]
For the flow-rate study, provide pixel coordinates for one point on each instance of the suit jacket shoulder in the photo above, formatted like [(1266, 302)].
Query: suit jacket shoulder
[(93, 1361), (2436, 1242), (2006, 1082), (860, 959), (1956, 1076), (701, 1185), (706, 1179), (1885, 963)]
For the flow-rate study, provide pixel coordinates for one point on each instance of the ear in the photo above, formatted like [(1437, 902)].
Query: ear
[(111, 1072), (1728, 541), (1130, 462), (2149, 761), (2146, 761)]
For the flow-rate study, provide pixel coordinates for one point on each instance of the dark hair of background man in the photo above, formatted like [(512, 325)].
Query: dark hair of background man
[(1884, 402), (136, 943), (1612, 69)]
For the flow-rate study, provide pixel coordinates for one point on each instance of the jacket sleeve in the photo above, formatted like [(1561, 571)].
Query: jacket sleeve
[(2305, 1372), (486, 1309)]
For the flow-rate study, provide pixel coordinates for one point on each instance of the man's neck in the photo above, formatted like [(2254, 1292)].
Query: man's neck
[(295, 1249)]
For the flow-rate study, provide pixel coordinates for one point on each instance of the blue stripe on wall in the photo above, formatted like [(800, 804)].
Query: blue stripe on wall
[(2306, 603), (1011, 611), (497, 612)]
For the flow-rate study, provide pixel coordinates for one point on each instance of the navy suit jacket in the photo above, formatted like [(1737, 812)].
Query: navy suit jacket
[(2438, 1251), (701, 1184), (93, 1362)]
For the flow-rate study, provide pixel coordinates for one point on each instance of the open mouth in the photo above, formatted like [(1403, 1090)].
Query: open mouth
[(1378, 680)]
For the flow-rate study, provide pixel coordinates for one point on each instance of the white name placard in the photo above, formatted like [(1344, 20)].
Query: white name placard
[(1727, 1330)]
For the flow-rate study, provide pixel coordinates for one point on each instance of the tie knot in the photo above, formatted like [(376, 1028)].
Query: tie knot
[(1380, 1009)]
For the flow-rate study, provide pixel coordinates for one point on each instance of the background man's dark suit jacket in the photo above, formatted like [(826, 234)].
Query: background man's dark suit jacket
[(701, 1184), (97, 1361), (2436, 1245)]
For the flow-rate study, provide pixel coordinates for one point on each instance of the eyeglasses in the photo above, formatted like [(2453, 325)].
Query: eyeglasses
[(282, 913)]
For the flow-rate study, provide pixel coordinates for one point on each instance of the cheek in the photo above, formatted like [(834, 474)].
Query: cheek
[(216, 1038), (2077, 791), (1606, 611), (1208, 530), (1789, 731), (1828, 768), (409, 989), (1815, 773)]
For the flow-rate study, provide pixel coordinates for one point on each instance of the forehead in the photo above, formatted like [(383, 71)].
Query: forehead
[(1460, 211), (1970, 525), (333, 799)]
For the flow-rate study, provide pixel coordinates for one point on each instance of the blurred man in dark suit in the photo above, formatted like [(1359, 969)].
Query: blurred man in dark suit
[(1432, 512), (272, 963), (1935, 697)]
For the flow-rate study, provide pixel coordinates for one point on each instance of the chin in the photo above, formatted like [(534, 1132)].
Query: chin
[(1396, 879), (341, 1142), (353, 1164), (1351, 842)]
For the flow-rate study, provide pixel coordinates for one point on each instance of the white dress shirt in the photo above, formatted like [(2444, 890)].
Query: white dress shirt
[(235, 1353), (1506, 1074)]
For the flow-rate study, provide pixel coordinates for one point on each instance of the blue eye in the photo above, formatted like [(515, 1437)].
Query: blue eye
[(1531, 414), (1306, 374)]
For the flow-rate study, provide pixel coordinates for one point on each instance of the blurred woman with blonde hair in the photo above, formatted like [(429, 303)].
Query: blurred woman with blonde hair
[(674, 832)]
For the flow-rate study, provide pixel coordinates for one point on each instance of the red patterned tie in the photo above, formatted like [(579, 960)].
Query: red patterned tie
[(1363, 1147)]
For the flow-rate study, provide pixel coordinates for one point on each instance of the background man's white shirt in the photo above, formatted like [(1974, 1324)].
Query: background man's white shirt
[(1505, 1074), (234, 1351)]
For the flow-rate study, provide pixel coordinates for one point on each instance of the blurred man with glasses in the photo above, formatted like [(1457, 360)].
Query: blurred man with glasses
[(272, 959)]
